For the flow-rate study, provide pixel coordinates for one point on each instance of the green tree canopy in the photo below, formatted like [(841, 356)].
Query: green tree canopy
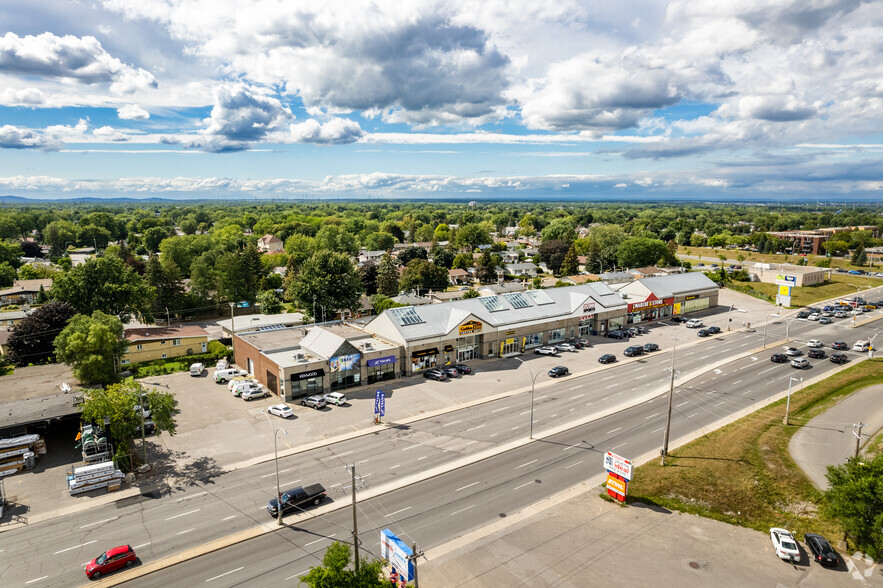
[(855, 498), (335, 573), (423, 275), (552, 253), (329, 281), (410, 253), (117, 403), (92, 346), (560, 229), (387, 276), (270, 302), (106, 284), (859, 257), (472, 235), (31, 340), (570, 266), (641, 252)]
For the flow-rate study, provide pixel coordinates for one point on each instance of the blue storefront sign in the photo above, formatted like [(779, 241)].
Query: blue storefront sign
[(381, 360), (378, 399)]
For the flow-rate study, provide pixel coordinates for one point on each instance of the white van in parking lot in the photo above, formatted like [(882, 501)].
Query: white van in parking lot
[(862, 345), (226, 375), (196, 369)]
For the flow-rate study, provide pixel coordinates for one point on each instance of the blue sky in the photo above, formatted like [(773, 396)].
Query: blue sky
[(710, 99)]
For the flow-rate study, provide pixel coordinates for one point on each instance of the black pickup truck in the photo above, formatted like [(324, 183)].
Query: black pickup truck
[(297, 498)]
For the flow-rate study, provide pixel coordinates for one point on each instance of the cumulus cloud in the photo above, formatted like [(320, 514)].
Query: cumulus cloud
[(132, 112), (12, 137), (82, 59), (109, 133), (30, 97), (242, 114), (337, 131)]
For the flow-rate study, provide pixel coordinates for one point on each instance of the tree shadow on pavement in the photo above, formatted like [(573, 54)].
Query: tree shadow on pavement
[(172, 472)]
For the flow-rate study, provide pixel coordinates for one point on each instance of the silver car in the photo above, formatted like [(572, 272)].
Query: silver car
[(316, 402)]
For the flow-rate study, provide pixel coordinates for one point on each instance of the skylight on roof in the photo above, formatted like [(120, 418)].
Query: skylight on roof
[(407, 316), (517, 300), (539, 297), (492, 303)]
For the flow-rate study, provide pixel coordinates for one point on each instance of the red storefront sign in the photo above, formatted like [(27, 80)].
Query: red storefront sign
[(651, 302)]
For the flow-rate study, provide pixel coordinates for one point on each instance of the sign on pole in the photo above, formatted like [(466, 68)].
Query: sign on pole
[(397, 553), (616, 487), (377, 396), (618, 465), (382, 404)]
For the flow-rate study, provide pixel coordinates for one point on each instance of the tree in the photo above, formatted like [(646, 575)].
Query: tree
[(327, 282), (859, 257), (413, 252), (641, 252), (31, 340), (368, 275), (470, 294), (442, 257), (379, 241), (166, 283), (7, 275), (855, 498), (387, 276), (105, 284), (421, 274), (92, 346), (335, 238), (462, 261), (471, 236), (552, 254), (335, 573), (379, 303), (570, 266), (560, 229), (59, 235), (270, 302), (486, 269), (30, 249)]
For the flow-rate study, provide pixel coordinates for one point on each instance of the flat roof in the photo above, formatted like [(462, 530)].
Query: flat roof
[(35, 410)]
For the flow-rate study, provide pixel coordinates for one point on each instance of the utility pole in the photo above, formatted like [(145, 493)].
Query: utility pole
[(355, 521), (858, 436), (413, 557)]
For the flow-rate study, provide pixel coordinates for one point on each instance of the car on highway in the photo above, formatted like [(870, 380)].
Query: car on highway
[(335, 398), (827, 312), (295, 498), (558, 370), (814, 317), (825, 321), (793, 351), (281, 410), (839, 345), (678, 319), (648, 347), (112, 559), (463, 368), (778, 358), (633, 350), (451, 371), (253, 393), (814, 343), (316, 402), (617, 334), (546, 350), (816, 353), (607, 358), (565, 347), (821, 550), (435, 374), (694, 323), (784, 544), (838, 358), (840, 314), (800, 363)]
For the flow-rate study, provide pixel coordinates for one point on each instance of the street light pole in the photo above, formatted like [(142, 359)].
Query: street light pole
[(671, 394), (232, 321), (276, 461), (788, 404), (766, 324), (533, 380)]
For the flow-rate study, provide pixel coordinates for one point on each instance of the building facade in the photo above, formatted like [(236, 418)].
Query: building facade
[(147, 344)]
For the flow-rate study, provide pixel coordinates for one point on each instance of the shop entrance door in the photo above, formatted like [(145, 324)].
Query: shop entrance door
[(510, 347), (466, 354)]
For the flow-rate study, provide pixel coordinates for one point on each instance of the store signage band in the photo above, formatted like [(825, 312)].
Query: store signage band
[(425, 352), (470, 327), (647, 304), (308, 375), (589, 307), (381, 360)]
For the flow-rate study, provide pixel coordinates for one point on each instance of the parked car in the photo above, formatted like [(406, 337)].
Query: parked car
[(252, 393), (223, 376), (800, 363), (713, 330), (237, 381), (617, 334), (607, 358), (196, 369), (112, 559), (558, 370), (545, 350), (704, 333), (648, 347), (139, 408), (451, 371), (578, 342), (825, 321), (793, 352), (784, 544), (463, 368), (565, 347), (821, 550), (632, 332), (838, 358), (222, 364), (281, 410), (678, 319), (316, 402), (642, 330), (694, 323), (435, 374), (633, 350), (778, 358), (814, 317), (803, 314), (247, 386), (816, 353), (814, 343), (149, 427), (335, 398), (839, 345)]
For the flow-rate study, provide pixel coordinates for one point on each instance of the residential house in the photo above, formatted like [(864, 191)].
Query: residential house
[(13, 317), (24, 291), (366, 256), (579, 279), (504, 288), (411, 299), (4, 341), (150, 343), (646, 272), (524, 270), (270, 244), (458, 277)]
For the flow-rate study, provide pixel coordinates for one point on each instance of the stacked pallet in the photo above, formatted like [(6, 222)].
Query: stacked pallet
[(17, 453), (93, 477)]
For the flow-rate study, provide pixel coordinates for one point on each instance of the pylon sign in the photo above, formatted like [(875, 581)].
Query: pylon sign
[(397, 553), (619, 472)]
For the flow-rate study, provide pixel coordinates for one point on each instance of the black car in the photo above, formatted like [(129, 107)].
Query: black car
[(642, 330), (558, 370), (296, 498), (617, 334), (463, 368), (822, 551), (816, 353), (607, 358), (704, 333), (633, 350), (779, 358), (838, 358), (803, 314), (451, 371), (435, 374), (713, 330), (648, 347), (839, 346), (678, 319)]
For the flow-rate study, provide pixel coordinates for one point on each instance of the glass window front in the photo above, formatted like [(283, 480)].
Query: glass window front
[(381, 373), (556, 335), (533, 340), (308, 387)]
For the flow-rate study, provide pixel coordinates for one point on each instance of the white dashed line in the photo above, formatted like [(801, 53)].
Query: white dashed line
[(523, 485), (318, 540), (222, 520), (692, 415), (297, 575), (143, 545), (573, 464), (187, 531), (398, 511), (526, 464), (651, 416), (523, 413), (424, 457), (191, 496), (183, 514), (576, 387), (99, 522), (462, 510), (273, 474), (467, 486), (453, 423), (737, 382), (614, 430), (36, 579), (657, 430), (499, 409), (641, 376), (620, 445), (75, 547), (577, 396), (395, 466), (681, 404), (225, 574), (473, 428), (607, 378)]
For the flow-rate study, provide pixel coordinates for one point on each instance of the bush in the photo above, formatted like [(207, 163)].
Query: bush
[(823, 263), (161, 367)]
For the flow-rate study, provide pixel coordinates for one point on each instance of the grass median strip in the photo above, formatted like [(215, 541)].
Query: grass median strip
[(743, 473)]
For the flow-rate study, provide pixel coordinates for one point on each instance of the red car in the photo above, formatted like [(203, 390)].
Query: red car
[(110, 560)]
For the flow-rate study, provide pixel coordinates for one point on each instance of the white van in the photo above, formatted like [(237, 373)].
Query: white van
[(223, 376), (196, 369), (862, 345)]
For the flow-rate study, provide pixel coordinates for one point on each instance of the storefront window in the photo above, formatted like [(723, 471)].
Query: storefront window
[(556, 335), (346, 371), (533, 340), (424, 359), (381, 373), (307, 383), (467, 347)]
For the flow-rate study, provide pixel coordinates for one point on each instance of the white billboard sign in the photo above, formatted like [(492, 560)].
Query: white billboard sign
[(618, 465)]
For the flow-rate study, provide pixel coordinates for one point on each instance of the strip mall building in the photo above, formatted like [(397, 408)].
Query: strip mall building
[(403, 341)]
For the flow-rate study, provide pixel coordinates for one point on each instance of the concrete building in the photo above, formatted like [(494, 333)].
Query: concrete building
[(147, 344), (803, 241), (800, 275), (664, 296), (261, 322)]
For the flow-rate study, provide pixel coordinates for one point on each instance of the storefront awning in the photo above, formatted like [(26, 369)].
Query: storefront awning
[(425, 352), (449, 347)]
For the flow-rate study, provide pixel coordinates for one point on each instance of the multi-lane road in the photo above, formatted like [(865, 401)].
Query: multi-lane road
[(511, 472)]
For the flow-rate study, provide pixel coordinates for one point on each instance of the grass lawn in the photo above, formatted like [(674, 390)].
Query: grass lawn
[(839, 286), (751, 257), (743, 474)]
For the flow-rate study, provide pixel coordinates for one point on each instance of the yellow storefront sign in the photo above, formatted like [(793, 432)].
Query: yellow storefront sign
[(470, 327)]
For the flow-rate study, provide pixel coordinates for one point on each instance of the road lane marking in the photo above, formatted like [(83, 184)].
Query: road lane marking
[(142, 545), (737, 382), (651, 416), (574, 464), (99, 522), (318, 540), (641, 376), (541, 397), (191, 496), (526, 464), (36, 579), (470, 443), (614, 430), (499, 409), (395, 466), (183, 514), (513, 428), (610, 386), (620, 445), (297, 575), (577, 396), (571, 446), (398, 511), (692, 415), (746, 392), (688, 354), (225, 574), (681, 404), (473, 428), (705, 357), (291, 483), (453, 423), (607, 378), (187, 531), (523, 485), (494, 435), (551, 416), (767, 370), (719, 403), (268, 475), (75, 547), (657, 430), (424, 457), (467, 486), (462, 509), (575, 387), (523, 413), (222, 520), (338, 484), (411, 447), (743, 344), (341, 454)]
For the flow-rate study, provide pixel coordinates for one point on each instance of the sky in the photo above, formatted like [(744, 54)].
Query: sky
[(535, 99)]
